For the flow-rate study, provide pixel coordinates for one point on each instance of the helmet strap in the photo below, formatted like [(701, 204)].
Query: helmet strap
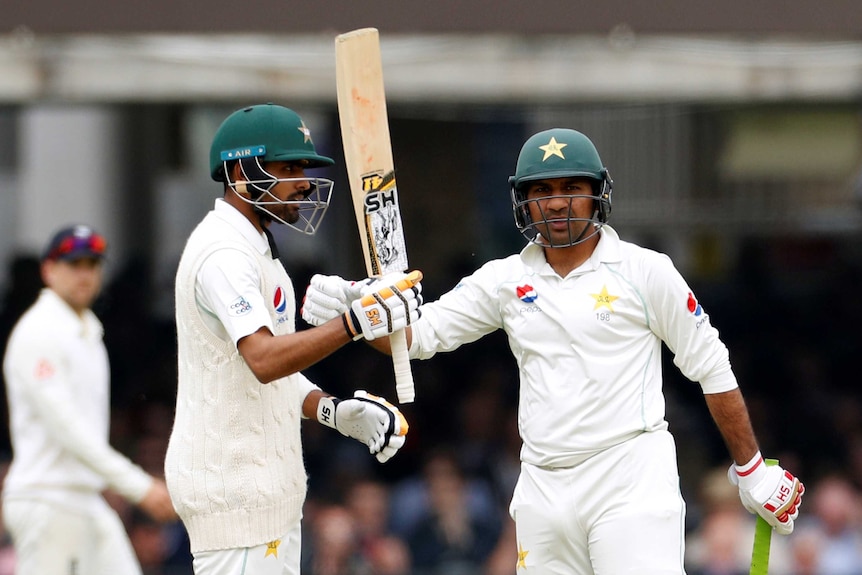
[(241, 188)]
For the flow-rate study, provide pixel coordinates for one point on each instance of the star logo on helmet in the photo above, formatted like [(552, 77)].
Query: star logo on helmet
[(305, 132), (553, 148)]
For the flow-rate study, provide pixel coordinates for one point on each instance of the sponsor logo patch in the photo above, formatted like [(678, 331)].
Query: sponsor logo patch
[(279, 300), (44, 369), (693, 306), (239, 307), (526, 293)]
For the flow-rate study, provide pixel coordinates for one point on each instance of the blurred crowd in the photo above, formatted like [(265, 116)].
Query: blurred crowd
[(440, 506)]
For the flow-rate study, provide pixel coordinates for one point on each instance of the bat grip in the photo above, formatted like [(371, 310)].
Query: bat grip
[(401, 363), (762, 541)]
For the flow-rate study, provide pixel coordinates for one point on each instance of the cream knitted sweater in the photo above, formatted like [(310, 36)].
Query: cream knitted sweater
[(234, 464)]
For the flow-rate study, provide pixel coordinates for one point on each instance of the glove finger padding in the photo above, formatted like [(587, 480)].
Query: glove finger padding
[(397, 421), (327, 297), (316, 311), (386, 310), (396, 442), (357, 419), (771, 492), (396, 432), (367, 418)]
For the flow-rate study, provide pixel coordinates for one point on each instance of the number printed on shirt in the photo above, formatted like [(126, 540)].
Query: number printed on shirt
[(603, 316)]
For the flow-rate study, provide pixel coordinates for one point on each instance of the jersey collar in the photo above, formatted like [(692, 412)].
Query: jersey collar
[(233, 216), (607, 251), (87, 322)]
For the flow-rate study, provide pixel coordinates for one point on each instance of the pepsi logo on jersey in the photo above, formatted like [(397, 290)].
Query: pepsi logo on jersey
[(279, 301), (526, 293), (693, 305)]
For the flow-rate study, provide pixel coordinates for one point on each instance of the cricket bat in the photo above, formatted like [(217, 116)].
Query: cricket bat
[(762, 541), (371, 171)]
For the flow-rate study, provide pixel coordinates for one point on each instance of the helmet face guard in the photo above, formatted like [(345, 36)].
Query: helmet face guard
[(531, 228), (256, 189), (559, 153), (264, 133)]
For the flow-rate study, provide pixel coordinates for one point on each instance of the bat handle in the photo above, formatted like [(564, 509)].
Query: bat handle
[(762, 541), (401, 362)]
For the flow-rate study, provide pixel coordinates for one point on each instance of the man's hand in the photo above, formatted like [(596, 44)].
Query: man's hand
[(327, 297), (769, 491), (368, 419), (157, 503), (385, 307)]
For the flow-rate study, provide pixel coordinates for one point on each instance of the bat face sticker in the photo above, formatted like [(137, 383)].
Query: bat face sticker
[(383, 224), (385, 236)]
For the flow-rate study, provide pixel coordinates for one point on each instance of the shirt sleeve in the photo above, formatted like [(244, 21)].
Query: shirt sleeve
[(228, 288), (466, 313), (47, 390), (305, 386), (683, 324)]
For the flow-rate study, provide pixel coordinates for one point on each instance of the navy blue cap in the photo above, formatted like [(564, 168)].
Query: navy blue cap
[(75, 242)]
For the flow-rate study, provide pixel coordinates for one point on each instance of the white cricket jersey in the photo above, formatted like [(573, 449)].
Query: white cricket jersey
[(57, 381), (227, 290), (588, 346), (234, 464)]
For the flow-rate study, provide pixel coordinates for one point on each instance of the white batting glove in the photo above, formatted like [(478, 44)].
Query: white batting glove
[(385, 308), (327, 297), (769, 491), (368, 419)]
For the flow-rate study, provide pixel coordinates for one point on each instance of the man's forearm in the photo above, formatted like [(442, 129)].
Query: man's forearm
[(730, 414)]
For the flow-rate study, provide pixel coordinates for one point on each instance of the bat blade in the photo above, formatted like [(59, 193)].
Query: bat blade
[(371, 171)]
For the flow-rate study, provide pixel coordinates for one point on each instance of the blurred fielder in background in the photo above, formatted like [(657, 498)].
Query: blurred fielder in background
[(57, 377), (586, 314), (234, 464)]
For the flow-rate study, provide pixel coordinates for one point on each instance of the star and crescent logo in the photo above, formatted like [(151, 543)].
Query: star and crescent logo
[(604, 299), (272, 548), (522, 558), (305, 132), (553, 148)]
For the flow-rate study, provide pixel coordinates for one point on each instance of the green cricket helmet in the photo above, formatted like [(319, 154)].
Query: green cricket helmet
[(255, 135), (559, 153)]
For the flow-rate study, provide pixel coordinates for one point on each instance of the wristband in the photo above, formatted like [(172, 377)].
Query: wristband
[(752, 472), (326, 411), (349, 320)]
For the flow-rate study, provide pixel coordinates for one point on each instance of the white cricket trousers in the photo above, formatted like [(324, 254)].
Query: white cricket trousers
[(280, 557), (52, 540), (618, 513)]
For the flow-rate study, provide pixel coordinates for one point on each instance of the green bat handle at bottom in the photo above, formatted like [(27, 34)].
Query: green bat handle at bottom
[(762, 541)]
